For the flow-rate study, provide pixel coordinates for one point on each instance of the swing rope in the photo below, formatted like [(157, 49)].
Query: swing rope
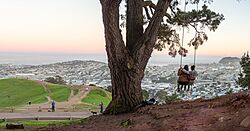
[(183, 33), (197, 8)]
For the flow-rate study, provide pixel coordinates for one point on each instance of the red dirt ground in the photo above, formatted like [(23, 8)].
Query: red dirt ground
[(220, 114)]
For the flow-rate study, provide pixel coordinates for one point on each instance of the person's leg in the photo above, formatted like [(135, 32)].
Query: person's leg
[(181, 87), (178, 87), (185, 87)]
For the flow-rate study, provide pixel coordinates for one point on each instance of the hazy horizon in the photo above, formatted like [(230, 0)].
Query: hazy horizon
[(31, 58), (68, 26)]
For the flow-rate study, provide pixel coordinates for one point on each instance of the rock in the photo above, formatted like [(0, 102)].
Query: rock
[(221, 119), (245, 122), (14, 126)]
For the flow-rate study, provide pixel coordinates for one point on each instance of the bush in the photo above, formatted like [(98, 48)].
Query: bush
[(244, 77), (55, 80), (145, 94), (171, 98)]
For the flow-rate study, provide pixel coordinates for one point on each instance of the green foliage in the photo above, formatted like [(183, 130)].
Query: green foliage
[(161, 95), (244, 77), (145, 94), (92, 85), (85, 107), (171, 98), (43, 123), (75, 91), (198, 19), (164, 96), (229, 92), (109, 88), (126, 123), (17, 92), (59, 93), (55, 80), (171, 80), (96, 96)]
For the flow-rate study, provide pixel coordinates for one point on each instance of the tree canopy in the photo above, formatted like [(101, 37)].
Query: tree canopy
[(195, 15), (149, 25)]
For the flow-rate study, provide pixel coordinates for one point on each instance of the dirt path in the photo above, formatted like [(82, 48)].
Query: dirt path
[(62, 106), (44, 115), (221, 114), (44, 85)]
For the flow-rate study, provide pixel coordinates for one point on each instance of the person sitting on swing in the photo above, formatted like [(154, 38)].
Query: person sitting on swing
[(183, 79), (192, 76)]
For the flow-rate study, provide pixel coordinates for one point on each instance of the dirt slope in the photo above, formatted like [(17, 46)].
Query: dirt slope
[(220, 114)]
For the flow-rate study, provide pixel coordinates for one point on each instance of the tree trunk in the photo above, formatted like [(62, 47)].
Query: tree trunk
[(134, 26), (128, 62), (126, 87)]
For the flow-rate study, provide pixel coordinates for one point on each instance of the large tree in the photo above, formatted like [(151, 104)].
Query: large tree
[(148, 26)]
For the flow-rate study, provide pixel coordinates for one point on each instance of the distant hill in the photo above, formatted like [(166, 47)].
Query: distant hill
[(226, 60)]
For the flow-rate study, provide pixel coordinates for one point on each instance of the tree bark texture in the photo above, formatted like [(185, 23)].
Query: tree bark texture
[(127, 62)]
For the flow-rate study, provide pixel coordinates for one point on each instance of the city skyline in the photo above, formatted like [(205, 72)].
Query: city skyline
[(76, 27)]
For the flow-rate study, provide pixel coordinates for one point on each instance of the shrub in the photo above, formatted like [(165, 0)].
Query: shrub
[(244, 76)]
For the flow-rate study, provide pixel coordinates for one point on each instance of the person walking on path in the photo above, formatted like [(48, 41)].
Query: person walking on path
[(101, 107), (53, 106)]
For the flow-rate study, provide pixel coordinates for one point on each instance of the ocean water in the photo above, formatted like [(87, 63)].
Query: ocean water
[(48, 58)]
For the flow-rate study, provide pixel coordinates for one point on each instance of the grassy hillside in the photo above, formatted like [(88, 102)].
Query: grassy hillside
[(59, 93), (96, 96), (15, 92)]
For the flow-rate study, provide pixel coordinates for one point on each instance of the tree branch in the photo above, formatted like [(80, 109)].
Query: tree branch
[(115, 46), (147, 13), (134, 23), (152, 6), (146, 44), (148, 3)]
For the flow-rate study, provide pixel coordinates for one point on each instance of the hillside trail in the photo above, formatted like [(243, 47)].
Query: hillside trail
[(225, 113), (62, 106)]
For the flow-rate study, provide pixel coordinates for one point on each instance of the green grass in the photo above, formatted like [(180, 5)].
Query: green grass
[(85, 107), (59, 93), (96, 96), (42, 123), (75, 91), (17, 92)]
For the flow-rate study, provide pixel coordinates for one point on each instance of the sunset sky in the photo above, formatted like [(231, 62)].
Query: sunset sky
[(75, 26)]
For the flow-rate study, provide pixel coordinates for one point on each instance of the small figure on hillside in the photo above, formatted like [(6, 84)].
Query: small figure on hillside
[(53, 106), (192, 76), (101, 107), (29, 102)]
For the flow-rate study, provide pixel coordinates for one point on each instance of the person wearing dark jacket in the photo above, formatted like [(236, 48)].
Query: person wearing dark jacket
[(183, 79)]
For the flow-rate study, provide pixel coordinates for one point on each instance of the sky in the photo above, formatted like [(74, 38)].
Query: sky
[(75, 26)]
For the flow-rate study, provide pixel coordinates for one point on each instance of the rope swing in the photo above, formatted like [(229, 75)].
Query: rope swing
[(183, 36), (183, 33), (195, 48)]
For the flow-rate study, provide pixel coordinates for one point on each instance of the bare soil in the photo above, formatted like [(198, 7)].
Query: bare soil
[(220, 114), (62, 106)]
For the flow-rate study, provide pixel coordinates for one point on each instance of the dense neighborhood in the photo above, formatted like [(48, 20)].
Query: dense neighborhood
[(213, 80)]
